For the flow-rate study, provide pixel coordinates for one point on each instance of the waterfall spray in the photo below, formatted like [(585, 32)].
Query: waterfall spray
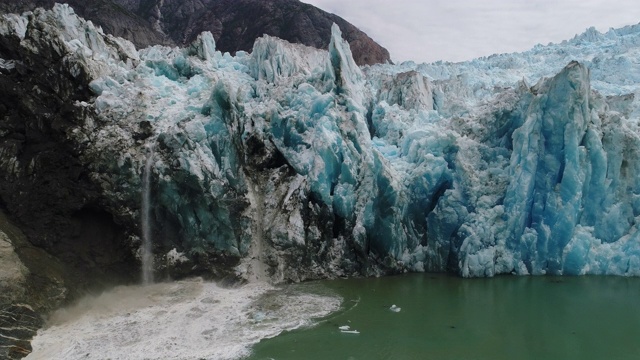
[(147, 241)]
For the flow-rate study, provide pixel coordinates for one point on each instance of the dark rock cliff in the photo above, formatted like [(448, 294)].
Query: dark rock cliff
[(59, 237), (37, 94), (235, 24)]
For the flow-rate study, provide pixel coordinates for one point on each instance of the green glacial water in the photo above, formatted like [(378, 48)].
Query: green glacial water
[(444, 317)]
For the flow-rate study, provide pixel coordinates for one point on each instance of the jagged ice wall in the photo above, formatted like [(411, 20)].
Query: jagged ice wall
[(293, 163)]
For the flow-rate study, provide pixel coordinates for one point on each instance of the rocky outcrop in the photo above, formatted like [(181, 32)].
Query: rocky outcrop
[(38, 91), (45, 187), (18, 324), (31, 284), (235, 24), (14, 335), (63, 241)]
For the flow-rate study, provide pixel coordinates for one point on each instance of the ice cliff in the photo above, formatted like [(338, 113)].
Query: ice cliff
[(293, 163)]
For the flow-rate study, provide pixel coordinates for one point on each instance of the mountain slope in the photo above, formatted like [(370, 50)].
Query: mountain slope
[(235, 24)]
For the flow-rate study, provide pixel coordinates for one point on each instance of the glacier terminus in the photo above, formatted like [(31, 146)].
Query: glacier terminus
[(291, 163)]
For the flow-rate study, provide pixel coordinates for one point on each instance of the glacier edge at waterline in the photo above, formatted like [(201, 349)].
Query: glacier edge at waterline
[(292, 163)]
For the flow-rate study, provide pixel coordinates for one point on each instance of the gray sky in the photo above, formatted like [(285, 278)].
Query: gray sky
[(457, 30)]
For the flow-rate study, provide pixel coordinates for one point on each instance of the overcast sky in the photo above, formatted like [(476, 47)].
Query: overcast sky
[(457, 30)]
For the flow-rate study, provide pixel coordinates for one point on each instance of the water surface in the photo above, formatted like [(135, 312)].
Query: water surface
[(445, 317), (182, 320)]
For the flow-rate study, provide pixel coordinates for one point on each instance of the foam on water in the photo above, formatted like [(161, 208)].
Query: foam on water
[(189, 319)]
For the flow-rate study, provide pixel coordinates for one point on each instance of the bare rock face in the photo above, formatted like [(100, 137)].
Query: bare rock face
[(37, 93), (235, 24), (66, 229), (31, 283), (60, 243)]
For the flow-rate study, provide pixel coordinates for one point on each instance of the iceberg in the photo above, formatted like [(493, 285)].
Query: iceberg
[(298, 162)]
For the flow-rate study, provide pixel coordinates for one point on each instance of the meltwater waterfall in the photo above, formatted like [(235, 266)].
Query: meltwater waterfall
[(146, 251)]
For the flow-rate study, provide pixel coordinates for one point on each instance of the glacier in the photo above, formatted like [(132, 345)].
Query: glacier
[(291, 163)]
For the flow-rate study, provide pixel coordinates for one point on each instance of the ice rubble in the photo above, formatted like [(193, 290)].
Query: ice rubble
[(331, 169)]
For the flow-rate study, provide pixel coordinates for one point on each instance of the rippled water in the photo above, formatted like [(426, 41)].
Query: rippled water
[(446, 317), (440, 318)]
